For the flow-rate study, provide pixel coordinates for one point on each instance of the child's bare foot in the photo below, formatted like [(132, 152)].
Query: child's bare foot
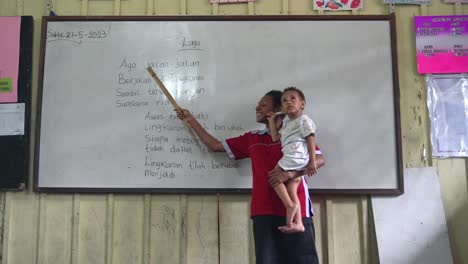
[(290, 213), (292, 228)]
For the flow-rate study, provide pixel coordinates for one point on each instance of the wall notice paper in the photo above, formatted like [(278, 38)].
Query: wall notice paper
[(411, 228), (441, 44), (10, 28), (447, 101), (11, 119)]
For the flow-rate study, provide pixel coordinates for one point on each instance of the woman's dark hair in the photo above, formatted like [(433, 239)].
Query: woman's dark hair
[(292, 88), (276, 95)]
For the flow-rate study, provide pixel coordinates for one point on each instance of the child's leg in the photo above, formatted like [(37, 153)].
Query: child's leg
[(291, 207), (292, 186)]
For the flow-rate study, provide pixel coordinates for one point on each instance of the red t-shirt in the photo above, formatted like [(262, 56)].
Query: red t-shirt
[(264, 155)]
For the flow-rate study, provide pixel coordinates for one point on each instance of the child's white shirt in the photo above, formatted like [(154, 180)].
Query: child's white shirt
[(293, 142)]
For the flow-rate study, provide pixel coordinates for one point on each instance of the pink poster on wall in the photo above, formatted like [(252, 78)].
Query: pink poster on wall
[(441, 44), (9, 58)]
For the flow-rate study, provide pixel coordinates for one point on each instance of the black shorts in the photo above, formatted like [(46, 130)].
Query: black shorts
[(274, 247)]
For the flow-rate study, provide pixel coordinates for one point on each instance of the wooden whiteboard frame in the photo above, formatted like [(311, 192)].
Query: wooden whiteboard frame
[(389, 18)]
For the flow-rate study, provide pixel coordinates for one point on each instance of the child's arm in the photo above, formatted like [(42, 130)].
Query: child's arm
[(274, 122), (312, 166), (210, 141)]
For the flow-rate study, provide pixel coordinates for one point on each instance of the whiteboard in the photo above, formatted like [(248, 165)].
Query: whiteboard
[(104, 125)]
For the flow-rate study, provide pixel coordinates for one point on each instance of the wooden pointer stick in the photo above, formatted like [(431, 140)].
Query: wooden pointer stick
[(163, 88), (169, 96)]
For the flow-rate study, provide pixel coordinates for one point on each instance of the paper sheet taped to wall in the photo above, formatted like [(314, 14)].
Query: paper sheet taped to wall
[(447, 100), (11, 119)]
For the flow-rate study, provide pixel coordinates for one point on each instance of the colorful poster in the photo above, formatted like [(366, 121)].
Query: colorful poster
[(408, 2), (336, 5), (441, 44), (9, 58)]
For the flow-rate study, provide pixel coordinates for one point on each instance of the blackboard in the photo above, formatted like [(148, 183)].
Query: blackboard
[(105, 126), (14, 149)]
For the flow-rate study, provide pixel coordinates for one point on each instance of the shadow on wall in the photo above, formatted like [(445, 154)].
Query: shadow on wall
[(373, 249)]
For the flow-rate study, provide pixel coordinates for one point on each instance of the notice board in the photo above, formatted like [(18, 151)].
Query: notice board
[(105, 126)]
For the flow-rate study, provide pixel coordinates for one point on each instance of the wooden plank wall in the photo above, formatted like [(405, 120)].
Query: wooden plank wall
[(147, 228)]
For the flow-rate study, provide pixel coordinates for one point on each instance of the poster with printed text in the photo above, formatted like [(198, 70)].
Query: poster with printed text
[(10, 28), (335, 5), (441, 44)]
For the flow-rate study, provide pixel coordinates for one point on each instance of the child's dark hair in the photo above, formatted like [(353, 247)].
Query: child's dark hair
[(292, 88), (276, 95)]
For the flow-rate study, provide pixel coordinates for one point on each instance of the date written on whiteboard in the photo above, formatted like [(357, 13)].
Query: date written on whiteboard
[(78, 36)]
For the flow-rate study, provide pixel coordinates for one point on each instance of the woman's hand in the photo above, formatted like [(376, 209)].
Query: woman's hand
[(278, 175), (183, 114)]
